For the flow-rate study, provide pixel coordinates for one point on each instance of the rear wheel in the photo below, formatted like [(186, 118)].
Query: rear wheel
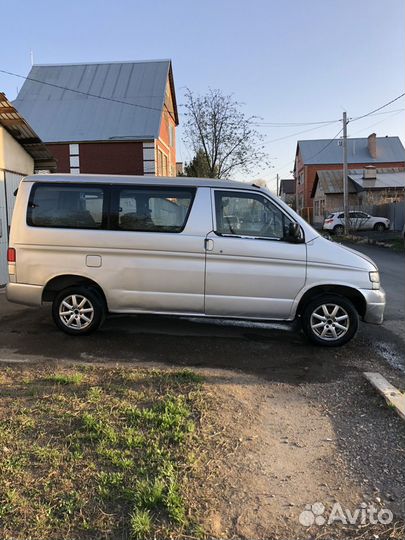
[(380, 227), (78, 310), (338, 230), (330, 320)]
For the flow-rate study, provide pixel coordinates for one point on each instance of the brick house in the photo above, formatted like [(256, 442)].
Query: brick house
[(119, 118), (314, 155)]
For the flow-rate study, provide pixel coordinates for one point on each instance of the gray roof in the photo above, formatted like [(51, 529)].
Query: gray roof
[(60, 115), (384, 180), (287, 186), (332, 181), (389, 150)]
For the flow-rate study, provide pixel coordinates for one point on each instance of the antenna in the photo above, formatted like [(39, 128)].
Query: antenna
[(32, 57)]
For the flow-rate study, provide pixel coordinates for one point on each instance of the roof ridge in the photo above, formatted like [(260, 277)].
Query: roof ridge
[(103, 63), (348, 138)]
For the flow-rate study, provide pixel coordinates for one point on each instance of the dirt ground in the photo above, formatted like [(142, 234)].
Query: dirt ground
[(279, 449)]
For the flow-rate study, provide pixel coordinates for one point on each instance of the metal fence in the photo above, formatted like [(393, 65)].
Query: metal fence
[(394, 211)]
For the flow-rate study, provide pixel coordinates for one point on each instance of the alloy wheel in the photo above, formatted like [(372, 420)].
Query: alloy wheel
[(76, 311), (330, 322)]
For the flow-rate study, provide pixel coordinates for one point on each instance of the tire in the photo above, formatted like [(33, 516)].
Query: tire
[(380, 227), (73, 319), (341, 312), (338, 230)]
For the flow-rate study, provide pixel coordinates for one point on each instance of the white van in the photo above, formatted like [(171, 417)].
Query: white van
[(94, 245)]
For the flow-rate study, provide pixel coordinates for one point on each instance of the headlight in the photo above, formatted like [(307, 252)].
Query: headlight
[(375, 279)]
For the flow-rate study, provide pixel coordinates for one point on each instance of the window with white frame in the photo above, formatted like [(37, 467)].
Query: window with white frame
[(74, 159)]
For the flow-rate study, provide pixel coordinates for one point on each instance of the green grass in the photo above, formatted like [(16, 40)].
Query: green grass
[(97, 453), (65, 378), (141, 524)]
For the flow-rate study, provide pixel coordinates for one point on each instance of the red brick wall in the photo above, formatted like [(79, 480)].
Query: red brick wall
[(102, 157), (111, 158), (61, 154), (164, 137)]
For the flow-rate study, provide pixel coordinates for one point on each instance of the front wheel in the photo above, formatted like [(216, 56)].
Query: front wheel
[(330, 320), (380, 227), (78, 310)]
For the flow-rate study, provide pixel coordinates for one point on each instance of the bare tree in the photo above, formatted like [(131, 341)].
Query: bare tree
[(216, 126)]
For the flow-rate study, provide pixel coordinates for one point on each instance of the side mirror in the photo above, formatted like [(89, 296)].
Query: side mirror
[(294, 233)]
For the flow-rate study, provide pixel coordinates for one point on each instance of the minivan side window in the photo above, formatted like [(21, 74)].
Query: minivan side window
[(249, 214), (153, 209), (71, 207)]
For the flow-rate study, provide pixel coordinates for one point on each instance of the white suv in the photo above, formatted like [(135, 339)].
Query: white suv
[(359, 221)]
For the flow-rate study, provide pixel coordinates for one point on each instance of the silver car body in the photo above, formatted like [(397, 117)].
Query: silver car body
[(192, 272)]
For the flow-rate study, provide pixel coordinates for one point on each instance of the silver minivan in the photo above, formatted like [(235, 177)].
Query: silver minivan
[(93, 245)]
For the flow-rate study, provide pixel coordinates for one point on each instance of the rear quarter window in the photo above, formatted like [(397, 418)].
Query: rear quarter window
[(64, 206)]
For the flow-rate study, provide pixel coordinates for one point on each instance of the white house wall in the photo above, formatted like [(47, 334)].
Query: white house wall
[(15, 163), (13, 157)]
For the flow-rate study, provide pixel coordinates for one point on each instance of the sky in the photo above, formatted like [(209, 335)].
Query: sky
[(286, 61)]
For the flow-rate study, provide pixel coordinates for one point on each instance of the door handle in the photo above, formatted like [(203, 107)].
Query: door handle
[(208, 244)]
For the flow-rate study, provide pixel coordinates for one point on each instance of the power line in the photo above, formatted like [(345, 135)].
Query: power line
[(297, 133), (326, 145), (88, 94), (321, 124), (378, 108), (293, 124), (264, 124), (393, 113)]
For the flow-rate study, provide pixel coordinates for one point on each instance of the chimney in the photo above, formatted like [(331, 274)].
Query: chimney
[(369, 173), (372, 145)]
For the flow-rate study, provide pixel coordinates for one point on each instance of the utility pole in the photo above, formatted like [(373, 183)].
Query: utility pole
[(345, 185), (277, 194)]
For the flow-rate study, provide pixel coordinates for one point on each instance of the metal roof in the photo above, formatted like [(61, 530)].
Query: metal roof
[(141, 180), (332, 181), (15, 124), (389, 150), (287, 186), (126, 100), (383, 180)]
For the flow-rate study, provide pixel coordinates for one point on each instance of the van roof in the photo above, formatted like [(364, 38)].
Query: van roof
[(142, 180)]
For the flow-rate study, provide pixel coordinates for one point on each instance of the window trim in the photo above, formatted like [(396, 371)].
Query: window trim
[(114, 206), (249, 237), (106, 204)]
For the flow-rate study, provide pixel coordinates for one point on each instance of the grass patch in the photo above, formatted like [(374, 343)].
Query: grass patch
[(98, 453), (65, 378)]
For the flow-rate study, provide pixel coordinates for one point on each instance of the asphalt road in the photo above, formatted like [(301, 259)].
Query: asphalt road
[(276, 351)]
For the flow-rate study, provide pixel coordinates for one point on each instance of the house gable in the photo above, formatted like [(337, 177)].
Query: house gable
[(112, 101)]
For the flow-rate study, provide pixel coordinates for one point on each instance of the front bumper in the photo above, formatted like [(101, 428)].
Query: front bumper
[(21, 293), (375, 300)]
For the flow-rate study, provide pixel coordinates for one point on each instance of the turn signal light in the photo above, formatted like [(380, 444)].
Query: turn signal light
[(11, 255)]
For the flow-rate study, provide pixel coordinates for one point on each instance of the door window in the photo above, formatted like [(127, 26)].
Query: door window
[(154, 209), (249, 214)]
